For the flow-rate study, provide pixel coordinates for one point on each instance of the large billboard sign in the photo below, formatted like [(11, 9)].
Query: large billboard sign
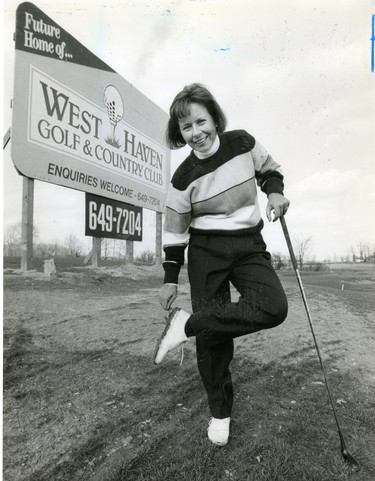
[(79, 124)]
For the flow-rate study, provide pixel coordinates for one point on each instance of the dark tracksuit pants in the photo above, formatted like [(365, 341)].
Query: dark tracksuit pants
[(213, 262)]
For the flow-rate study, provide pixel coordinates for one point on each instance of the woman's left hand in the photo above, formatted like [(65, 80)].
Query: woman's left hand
[(278, 204)]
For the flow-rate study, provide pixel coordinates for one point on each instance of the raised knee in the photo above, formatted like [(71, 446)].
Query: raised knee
[(281, 311)]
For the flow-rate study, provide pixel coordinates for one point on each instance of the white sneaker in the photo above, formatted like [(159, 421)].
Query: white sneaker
[(218, 431), (173, 335)]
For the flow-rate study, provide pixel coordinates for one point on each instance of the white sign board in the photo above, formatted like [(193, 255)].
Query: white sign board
[(78, 124)]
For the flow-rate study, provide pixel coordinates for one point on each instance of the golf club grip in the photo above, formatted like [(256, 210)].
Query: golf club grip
[(288, 242)]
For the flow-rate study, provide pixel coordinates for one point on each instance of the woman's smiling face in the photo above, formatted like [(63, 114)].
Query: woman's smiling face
[(198, 129)]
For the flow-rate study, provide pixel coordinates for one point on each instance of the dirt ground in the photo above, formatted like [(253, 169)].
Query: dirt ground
[(78, 352)]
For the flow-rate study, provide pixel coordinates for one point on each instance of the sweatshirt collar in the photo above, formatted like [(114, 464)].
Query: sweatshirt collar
[(214, 148)]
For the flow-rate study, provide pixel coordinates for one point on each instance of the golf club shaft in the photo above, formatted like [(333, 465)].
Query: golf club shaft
[(295, 267)]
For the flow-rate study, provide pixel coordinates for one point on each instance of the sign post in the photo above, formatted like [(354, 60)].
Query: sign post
[(158, 239), (129, 252), (96, 251), (27, 224)]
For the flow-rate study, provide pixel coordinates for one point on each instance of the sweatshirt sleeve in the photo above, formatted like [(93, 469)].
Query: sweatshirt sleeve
[(267, 171), (176, 232)]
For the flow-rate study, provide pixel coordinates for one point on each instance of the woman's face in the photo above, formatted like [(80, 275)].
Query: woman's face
[(198, 129)]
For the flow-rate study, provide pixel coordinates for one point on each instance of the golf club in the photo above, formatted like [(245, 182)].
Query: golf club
[(354, 466)]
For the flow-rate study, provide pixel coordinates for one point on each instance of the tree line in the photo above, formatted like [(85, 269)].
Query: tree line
[(71, 246)]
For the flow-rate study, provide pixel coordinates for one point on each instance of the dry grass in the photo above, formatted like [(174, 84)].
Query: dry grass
[(106, 414)]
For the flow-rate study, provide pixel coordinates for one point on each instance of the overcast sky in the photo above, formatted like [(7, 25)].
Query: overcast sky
[(295, 74)]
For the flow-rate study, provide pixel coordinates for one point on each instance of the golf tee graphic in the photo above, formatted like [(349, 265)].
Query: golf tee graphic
[(115, 111), (69, 124)]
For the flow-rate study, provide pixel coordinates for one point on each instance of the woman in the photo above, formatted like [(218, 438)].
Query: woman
[(212, 207)]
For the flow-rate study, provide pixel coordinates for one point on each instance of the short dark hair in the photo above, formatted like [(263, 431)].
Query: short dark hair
[(181, 108)]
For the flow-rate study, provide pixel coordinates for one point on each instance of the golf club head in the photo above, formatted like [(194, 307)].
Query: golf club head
[(348, 458), (353, 463)]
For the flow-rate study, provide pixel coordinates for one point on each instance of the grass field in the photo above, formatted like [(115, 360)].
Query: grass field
[(83, 400)]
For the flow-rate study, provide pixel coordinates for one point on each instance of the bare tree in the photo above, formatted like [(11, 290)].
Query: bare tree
[(362, 251), (73, 246), (47, 250), (279, 261), (106, 247), (43, 250), (146, 257), (303, 247), (12, 239)]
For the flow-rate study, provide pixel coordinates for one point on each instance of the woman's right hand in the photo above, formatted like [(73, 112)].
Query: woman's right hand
[(167, 295)]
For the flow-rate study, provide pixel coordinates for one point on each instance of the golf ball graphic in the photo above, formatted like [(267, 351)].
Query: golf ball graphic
[(115, 110)]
